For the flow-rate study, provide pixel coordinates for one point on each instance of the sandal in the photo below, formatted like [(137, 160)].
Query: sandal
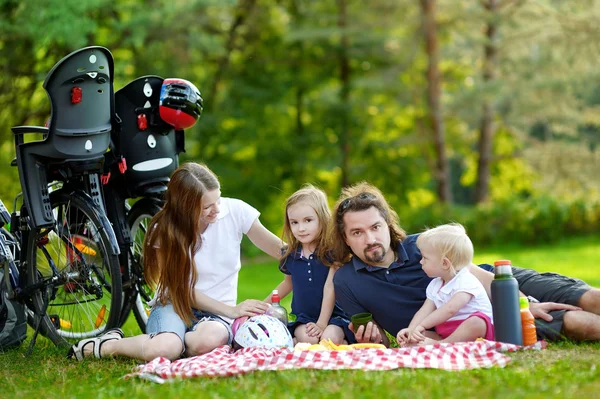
[(77, 349)]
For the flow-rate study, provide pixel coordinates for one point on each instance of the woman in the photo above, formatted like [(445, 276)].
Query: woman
[(192, 256)]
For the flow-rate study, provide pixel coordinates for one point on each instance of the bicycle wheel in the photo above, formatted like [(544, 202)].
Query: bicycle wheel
[(138, 218), (74, 263)]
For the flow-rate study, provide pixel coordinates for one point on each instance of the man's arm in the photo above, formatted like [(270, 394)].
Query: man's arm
[(539, 310), (344, 295), (484, 277), (348, 302)]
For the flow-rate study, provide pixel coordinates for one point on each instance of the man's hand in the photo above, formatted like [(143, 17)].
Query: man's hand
[(540, 310), (250, 307), (367, 334)]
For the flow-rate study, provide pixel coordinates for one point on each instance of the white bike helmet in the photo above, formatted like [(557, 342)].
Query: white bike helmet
[(237, 323), (263, 330)]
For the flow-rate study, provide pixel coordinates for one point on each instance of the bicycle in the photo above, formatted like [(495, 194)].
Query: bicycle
[(66, 253), (144, 152)]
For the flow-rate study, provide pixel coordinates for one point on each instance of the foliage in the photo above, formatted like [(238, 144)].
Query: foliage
[(532, 220), (269, 72)]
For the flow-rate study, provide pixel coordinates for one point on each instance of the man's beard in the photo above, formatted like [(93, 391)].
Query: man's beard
[(374, 256)]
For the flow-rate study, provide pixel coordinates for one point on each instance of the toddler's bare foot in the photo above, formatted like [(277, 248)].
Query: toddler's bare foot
[(428, 341)]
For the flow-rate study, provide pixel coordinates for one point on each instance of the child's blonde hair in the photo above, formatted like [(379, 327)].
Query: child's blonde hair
[(316, 199), (450, 240)]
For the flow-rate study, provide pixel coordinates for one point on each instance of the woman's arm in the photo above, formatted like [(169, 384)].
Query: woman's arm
[(250, 307), (266, 241)]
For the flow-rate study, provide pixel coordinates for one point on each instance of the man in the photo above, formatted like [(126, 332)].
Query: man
[(382, 274)]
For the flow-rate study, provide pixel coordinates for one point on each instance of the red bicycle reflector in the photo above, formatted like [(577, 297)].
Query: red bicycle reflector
[(76, 95), (122, 165), (142, 122), (105, 178)]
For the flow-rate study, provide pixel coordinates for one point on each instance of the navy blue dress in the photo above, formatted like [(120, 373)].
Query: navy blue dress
[(308, 279)]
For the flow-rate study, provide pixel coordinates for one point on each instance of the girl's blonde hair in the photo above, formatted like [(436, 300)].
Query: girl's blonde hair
[(316, 199), (173, 237), (449, 240)]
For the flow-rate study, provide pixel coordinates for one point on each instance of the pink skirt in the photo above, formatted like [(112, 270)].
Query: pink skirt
[(448, 327)]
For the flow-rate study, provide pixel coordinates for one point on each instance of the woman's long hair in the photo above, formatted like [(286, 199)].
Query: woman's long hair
[(172, 238), (316, 199)]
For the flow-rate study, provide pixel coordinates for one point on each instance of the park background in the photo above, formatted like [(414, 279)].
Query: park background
[(482, 112)]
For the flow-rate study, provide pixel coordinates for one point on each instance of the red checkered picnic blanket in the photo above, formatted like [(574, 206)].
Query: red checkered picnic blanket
[(224, 362)]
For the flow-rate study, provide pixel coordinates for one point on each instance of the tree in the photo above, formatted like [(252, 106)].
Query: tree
[(486, 133), (344, 68), (441, 171)]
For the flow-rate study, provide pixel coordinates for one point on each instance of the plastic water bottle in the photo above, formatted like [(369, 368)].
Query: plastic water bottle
[(527, 323), (505, 305), (276, 310)]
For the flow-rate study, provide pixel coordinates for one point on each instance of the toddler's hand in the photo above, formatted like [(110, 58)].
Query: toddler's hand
[(416, 335), (403, 336)]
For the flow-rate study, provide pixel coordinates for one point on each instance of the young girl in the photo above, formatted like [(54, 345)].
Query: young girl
[(317, 315), (457, 304), (192, 255)]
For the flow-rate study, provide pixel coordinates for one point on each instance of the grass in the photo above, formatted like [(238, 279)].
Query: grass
[(563, 370)]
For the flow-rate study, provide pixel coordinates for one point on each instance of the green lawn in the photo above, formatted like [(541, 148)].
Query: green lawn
[(563, 370)]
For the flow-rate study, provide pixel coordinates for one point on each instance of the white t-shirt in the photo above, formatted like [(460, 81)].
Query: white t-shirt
[(218, 260), (464, 281)]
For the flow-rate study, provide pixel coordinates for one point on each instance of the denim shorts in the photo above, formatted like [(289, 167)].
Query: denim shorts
[(164, 319)]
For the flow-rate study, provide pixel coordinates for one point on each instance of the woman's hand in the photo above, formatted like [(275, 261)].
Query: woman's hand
[(250, 307)]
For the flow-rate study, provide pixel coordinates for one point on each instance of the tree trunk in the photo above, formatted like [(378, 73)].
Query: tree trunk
[(297, 66), (434, 83), (344, 136), (486, 134)]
